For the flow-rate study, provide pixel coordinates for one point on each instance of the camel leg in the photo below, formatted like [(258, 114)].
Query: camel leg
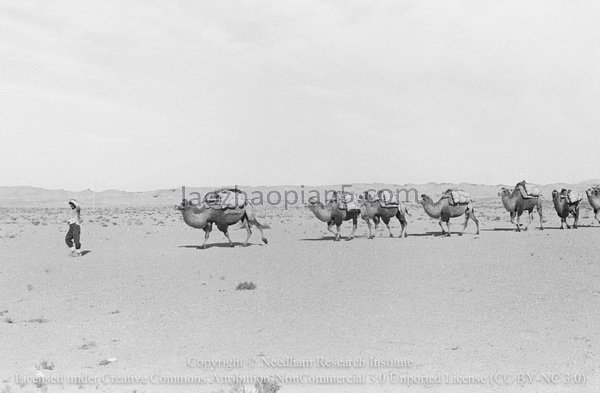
[(518, 214), (354, 226), (330, 228), (206, 234), (337, 235), (530, 219), (251, 218), (441, 226), (576, 214), (403, 223), (248, 232), (262, 235), (512, 218), (529, 222), (376, 220), (597, 215), (228, 238), (260, 229), (562, 223), (467, 217), (387, 225), (539, 209), (448, 225), (475, 220), (369, 225)]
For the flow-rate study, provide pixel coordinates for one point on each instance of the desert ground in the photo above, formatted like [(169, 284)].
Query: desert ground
[(505, 312)]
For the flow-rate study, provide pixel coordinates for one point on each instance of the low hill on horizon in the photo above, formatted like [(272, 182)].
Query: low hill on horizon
[(28, 196)]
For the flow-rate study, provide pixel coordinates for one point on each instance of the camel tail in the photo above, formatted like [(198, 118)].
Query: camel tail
[(259, 225), (253, 221)]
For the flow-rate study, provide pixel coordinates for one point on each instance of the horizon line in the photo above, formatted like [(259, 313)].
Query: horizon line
[(586, 181)]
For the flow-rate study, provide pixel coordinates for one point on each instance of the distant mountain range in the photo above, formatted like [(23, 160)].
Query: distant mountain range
[(17, 196)]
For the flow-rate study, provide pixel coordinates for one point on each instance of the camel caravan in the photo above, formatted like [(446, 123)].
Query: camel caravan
[(228, 206), (345, 206)]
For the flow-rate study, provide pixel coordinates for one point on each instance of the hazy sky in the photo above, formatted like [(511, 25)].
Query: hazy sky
[(139, 95)]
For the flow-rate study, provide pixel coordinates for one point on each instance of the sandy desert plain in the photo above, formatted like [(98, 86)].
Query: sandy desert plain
[(508, 312)]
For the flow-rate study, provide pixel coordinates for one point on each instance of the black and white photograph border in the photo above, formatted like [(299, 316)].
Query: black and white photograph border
[(312, 196)]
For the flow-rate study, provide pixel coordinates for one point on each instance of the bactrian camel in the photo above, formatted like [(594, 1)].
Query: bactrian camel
[(202, 216), (513, 201), (443, 210), (373, 210), (593, 195), (333, 215), (564, 208)]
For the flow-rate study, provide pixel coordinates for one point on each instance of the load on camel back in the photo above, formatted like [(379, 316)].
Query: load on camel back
[(457, 196), (225, 198), (346, 200), (573, 197), (385, 197), (527, 190)]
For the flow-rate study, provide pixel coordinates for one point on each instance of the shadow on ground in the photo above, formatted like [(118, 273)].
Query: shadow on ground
[(330, 238), (219, 245)]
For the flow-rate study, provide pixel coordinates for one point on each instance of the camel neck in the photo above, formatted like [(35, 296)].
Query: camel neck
[(194, 216), (508, 200), (370, 205), (559, 202), (433, 209), (321, 212)]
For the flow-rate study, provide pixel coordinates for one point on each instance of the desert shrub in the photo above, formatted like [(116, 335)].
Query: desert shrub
[(246, 286)]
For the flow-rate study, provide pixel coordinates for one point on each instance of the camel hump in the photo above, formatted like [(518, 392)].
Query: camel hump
[(348, 201), (457, 196), (225, 198), (371, 196), (388, 198), (574, 196), (528, 190)]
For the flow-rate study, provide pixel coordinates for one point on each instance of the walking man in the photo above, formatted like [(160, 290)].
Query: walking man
[(74, 229)]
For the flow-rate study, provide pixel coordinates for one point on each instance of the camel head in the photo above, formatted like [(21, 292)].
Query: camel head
[(185, 205), (369, 196), (593, 191), (559, 194), (564, 193), (182, 206), (505, 191), (313, 202), (425, 199)]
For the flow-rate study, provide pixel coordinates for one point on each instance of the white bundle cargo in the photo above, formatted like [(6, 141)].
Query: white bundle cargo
[(458, 197), (388, 198), (528, 190), (574, 196), (226, 198)]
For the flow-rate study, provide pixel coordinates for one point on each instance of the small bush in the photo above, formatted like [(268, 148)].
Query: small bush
[(266, 386), (246, 286), (45, 365)]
